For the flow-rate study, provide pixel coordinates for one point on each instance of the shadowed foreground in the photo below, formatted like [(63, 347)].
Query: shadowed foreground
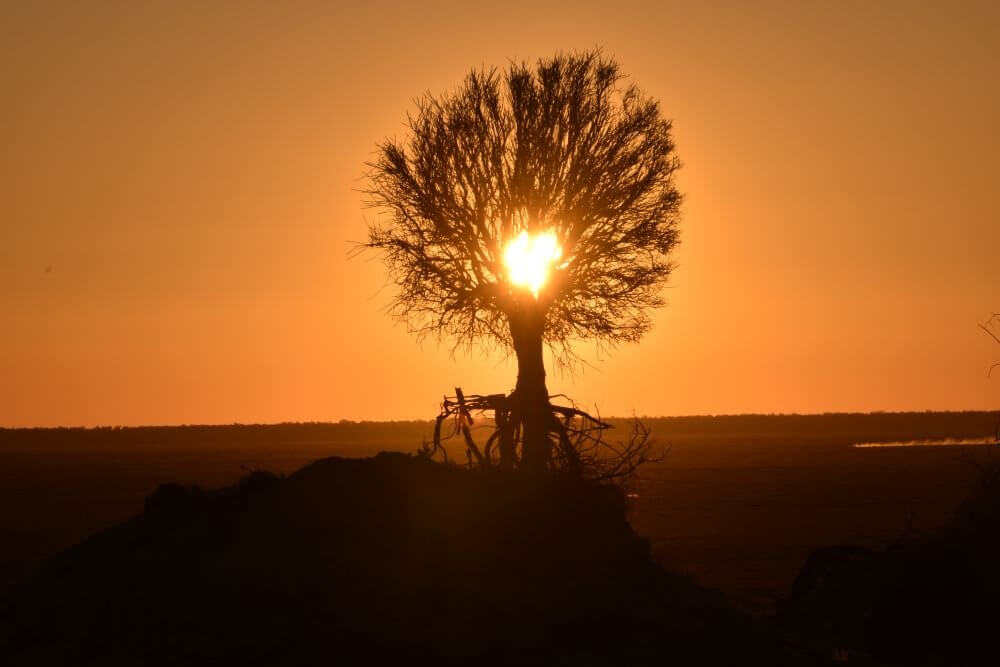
[(390, 558), (929, 599)]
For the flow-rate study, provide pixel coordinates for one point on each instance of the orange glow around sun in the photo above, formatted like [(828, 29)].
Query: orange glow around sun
[(529, 259)]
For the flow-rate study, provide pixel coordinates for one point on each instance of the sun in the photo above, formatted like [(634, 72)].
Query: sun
[(529, 259)]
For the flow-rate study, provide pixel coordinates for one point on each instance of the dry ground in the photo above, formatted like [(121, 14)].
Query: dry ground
[(738, 511)]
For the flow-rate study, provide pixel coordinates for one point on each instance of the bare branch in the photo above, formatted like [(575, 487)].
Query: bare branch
[(561, 146), (582, 448)]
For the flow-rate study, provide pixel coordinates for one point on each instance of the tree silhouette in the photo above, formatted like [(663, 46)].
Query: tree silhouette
[(563, 149), (992, 329)]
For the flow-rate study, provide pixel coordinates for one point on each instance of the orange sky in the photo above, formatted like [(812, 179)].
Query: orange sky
[(189, 177)]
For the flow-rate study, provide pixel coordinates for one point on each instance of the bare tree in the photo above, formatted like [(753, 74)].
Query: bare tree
[(992, 329), (565, 151)]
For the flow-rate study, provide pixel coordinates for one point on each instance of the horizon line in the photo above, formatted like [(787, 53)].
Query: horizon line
[(345, 421)]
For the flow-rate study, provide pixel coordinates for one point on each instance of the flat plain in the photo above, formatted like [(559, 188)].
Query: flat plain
[(738, 502)]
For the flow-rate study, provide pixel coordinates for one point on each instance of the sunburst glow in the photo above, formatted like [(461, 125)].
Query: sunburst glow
[(529, 259)]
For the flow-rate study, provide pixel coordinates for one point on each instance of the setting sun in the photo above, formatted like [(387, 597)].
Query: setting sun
[(528, 259), (604, 333)]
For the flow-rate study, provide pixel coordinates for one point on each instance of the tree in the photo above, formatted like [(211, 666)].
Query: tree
[(992, 329), (560, 159)]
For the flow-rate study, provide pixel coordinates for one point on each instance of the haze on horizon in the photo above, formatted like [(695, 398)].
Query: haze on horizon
[(180, 193)]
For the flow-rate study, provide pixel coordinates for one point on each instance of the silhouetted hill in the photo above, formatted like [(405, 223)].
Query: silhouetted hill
[(391, 559), (927, 599)]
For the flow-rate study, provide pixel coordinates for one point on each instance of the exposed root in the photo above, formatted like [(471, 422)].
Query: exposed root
[(580, 448)]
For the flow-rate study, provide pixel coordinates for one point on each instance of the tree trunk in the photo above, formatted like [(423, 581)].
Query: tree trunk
[(531, 397)]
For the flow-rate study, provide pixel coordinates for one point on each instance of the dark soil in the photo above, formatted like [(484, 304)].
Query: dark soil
[(391, 559)]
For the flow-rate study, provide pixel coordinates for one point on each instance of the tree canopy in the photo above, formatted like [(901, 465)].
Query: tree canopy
[(565, 147)]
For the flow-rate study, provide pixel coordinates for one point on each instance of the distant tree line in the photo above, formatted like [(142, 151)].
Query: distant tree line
[(407, 435)]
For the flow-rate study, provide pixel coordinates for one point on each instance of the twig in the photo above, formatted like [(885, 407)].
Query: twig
[(581, 449)]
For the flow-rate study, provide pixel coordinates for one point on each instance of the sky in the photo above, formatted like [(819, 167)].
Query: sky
[(179, 192)]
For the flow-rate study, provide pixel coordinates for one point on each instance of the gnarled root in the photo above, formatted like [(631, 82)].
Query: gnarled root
[(580, 448)]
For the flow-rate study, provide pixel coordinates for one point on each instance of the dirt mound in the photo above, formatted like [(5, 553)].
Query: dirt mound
[(391, 558)]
